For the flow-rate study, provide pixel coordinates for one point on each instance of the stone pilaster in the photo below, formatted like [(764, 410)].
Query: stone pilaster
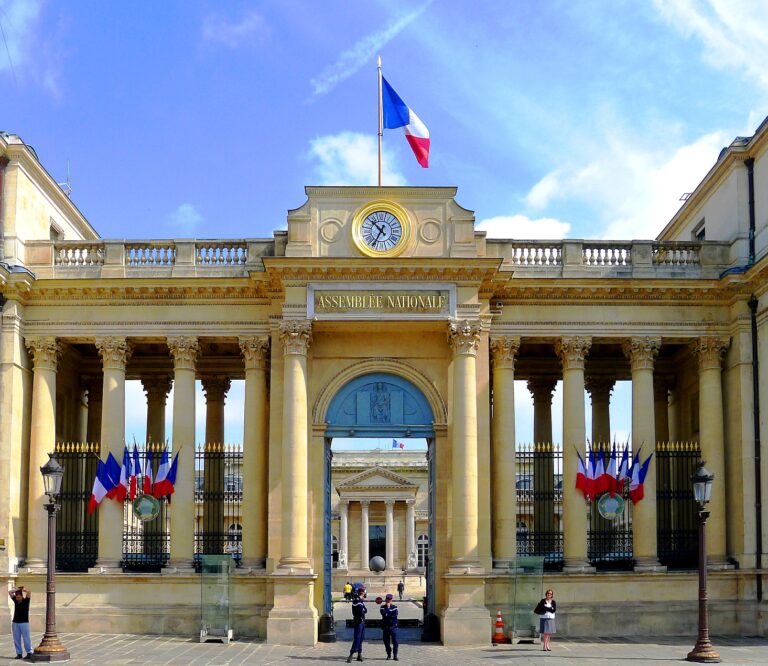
[(573, 352), (184, 350), (410, 534), (255, 351), (641, 352), (114, 353), (215, 389), (344, 534), (710, 352), (45, 353), (504, 497), (364, 541)]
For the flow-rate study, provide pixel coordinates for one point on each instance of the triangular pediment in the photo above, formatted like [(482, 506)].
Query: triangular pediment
[(376, 477)]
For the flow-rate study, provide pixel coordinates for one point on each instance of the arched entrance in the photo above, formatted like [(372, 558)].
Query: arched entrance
[(379, 405)]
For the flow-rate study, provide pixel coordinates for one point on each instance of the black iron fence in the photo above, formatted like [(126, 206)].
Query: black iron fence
[(539, 486), (77, 531), (147, 544), (677, 522), (219, 500)]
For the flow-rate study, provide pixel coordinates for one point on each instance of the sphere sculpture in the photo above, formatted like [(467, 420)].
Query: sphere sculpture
[(377, 564)]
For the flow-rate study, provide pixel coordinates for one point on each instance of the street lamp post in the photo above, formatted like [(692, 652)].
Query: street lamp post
[(50, 648), (702, 491)]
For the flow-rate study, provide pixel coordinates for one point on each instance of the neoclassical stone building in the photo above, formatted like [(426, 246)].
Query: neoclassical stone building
[(383, 312)]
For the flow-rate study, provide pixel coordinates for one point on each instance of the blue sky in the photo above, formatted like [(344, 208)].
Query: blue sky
[(554, 118)]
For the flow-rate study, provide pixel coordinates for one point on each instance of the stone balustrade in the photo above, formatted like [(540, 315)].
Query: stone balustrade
[(526, 258)]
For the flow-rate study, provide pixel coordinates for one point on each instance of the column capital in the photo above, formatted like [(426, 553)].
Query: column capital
[(114, 352), (215, 387), (389, 502), (157, 387), (504, 351), (365, 503), (599, 387), (255, 351), (641, 351), (344, 504), (710, 350), (464, 336), (296, 336), (45, 352), (573, 351), (410, 502), (185, 350), (542, 387)]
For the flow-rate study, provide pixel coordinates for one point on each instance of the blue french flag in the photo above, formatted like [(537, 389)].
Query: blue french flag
[(397, 445), (398, 114)]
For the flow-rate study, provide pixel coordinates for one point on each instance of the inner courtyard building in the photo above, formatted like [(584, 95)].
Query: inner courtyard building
[(430, 336)]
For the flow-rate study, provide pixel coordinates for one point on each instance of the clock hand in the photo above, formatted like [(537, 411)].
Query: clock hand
[(381, 229)]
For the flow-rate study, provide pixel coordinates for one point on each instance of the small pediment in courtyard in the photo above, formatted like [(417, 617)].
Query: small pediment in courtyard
[(377, 478)]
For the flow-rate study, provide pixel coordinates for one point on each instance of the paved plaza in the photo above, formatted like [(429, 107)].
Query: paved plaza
[(124, 650)]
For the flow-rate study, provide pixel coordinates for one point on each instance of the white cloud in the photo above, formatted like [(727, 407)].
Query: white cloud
[(185, 219), (523, 227), (218, 29), (732, 32), (18, 19), (634, 189), (361, 52), (350, 158)]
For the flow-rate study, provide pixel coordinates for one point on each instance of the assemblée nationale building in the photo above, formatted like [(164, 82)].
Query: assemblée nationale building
[(381, 312)]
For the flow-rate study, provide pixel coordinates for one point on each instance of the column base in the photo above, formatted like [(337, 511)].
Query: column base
[(34, 567), (504, 563), (182, 566), (256, 565), (719, 564), (648, 565), (293, 618), (466, 620), (465, 567), (294, 565), (106, 566), (577, 566)]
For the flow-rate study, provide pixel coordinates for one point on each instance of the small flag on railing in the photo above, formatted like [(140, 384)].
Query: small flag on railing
[(135, 470), (101, 487), (165, 484), (639, 472), (125, 474), (397, 445), (112, 469), (147, 473)]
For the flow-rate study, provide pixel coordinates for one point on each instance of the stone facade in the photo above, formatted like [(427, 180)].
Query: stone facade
[(450, 320)]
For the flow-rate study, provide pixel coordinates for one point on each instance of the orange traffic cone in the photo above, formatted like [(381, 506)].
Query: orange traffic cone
[(498, 635)]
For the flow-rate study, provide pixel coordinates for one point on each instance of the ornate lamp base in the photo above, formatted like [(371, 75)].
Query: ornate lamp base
[(50, 649), (703, 652)]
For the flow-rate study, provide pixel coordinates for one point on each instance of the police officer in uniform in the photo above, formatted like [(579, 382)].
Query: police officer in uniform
[(358, 618), (389, 625)]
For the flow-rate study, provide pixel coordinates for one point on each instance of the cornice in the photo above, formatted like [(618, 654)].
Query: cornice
[(369, 191)]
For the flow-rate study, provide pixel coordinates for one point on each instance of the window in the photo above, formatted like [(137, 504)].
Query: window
[(699, 232), (55, 231), (335, 551), (422, 550)]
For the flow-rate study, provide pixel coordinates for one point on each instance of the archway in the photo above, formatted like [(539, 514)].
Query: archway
[(380, 405)]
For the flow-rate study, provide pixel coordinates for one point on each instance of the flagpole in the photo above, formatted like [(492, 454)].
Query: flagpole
[(380, 119)]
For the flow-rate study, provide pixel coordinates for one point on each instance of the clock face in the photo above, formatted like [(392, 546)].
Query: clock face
[(381, 231)]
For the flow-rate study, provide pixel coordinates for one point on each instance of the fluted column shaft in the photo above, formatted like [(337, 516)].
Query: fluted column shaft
[(503, 466), (114, 353), (641, 352), (599, 389), (215, 389), (255, 352), (710, 351), (572, 352), (661, 386), (390, 547), (45, 355), (344, 533), (156, 389), (410, 526), (364, 553), (464, 338), (185, 351), (296, 337)]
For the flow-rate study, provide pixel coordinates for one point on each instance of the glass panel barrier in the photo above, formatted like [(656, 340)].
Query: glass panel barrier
[(215, 573)]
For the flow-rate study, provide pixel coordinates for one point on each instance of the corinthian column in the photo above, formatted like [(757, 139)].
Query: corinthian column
[(255, 352), (389, 506), (504, 497), (296, 337), (215, 389), (157, 388), (573, 352), (114, 353), (463, 338), (45, 356), (661, 387), (184, 351), (344, 534), (710, 351), (641, 352), (364, 535)]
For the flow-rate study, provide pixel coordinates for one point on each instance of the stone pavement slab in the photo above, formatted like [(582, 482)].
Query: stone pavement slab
[(129, 650)]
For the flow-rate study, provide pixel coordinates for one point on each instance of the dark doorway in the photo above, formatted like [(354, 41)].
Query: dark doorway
[(377, 540)]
